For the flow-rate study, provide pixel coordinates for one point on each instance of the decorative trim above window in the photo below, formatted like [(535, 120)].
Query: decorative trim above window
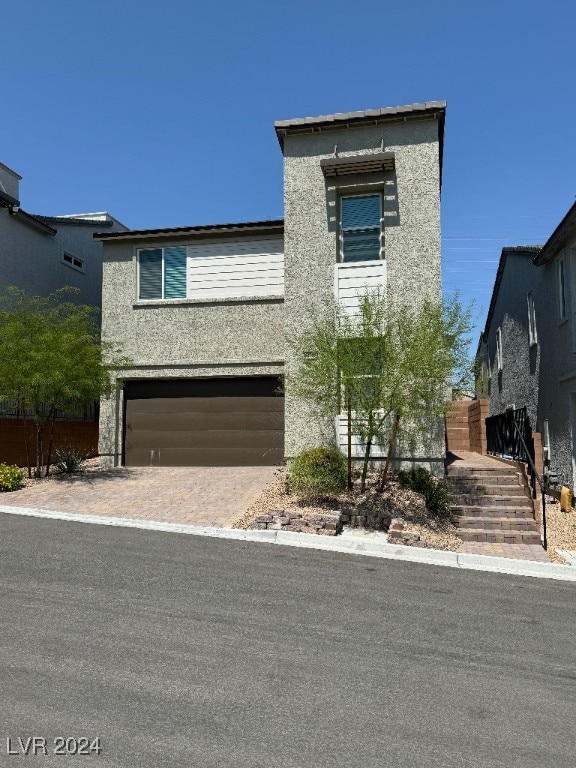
[(73, 261), (345, 166), (162, 273), (360, 228), (532, 336)]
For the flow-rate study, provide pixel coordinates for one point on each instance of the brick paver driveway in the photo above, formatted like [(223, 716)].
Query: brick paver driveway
[(195, 495)]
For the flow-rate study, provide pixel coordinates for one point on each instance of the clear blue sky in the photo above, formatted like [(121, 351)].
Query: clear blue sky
[(162, 113)]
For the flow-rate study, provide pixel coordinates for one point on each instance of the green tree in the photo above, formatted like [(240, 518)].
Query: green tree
[(389, 367), (51, 360)]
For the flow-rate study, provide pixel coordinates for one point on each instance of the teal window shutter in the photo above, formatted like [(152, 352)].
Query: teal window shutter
[(360, 228), (175, 273), (150, 274)]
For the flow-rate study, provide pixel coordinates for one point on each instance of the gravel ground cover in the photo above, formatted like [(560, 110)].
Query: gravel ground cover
[(376, 510), (560, 529)]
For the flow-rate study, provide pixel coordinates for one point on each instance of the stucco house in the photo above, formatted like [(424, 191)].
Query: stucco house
[(201, 311), (527, 352), (43, 253)]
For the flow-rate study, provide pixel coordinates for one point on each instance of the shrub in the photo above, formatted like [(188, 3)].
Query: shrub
[(69, 460), (11, 477), (317, 472), (436, 493)]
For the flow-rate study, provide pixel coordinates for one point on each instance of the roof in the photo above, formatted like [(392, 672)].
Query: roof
[(557, 240), (76, 221), (339, 120), (277, 225), (520, 250), (16, 175)]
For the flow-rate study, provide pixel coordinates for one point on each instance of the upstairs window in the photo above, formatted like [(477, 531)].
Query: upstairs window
[(532, 337), (73, 261), (360, 227), (561, 289), (162, 273), (499, 358)]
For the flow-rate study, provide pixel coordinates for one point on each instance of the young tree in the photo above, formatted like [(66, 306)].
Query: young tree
[(51, 359), (388, 367)]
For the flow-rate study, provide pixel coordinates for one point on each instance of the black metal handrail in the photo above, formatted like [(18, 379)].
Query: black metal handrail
[(535, 476)]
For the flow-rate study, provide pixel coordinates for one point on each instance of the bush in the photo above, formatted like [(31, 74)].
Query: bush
[(11, 477), (317, 472), (69, 460), (436, 493)]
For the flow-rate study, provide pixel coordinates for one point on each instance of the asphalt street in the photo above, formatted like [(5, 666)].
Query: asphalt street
[(175, 650)]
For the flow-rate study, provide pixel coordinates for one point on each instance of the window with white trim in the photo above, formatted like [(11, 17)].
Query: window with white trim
[(360, 227), (73, 261), (162, 273), (499, 359), (561, 289), (532, 336)]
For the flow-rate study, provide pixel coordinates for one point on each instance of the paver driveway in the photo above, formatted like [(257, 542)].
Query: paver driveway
[(194, 495)]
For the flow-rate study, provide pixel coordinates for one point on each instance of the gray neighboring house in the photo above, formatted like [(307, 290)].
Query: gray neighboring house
[(527, 352), (43, 253), (202, 311)]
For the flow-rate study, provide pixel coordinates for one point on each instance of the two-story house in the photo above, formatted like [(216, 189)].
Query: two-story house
[(527, 352), (43, 253), (202, 311)]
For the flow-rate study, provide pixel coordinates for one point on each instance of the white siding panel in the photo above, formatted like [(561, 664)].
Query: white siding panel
[(358, 447), (236, 268), (353, 279)]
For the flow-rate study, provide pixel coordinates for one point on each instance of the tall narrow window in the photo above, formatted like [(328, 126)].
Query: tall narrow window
[(532, 337), (360, 227), (162, 273), (499, 358), (561, 289)]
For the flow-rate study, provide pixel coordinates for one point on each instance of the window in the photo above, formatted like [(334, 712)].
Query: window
[(162, 273), (499, 360), (72, 261), (532, 337), (561, 289), (360, 227)]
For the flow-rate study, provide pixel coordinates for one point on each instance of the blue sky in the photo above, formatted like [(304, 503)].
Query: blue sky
[(162, 113)]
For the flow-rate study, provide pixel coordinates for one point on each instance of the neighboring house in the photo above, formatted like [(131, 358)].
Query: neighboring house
[(202, 311), (527, 352), (43, 253)]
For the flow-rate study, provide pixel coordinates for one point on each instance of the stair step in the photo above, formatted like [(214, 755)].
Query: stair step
[(487, 490), (465, 482), (500, 537), (498, 523), (481, 511), (478, 500), (474, 472)]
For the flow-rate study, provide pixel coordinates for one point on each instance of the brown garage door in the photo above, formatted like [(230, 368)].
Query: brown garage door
[(204, 422)]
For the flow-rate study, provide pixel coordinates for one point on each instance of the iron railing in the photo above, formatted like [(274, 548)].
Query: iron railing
[(10, 409), (509, 436)]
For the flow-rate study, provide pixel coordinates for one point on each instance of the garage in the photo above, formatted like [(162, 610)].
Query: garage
[(204, 422)]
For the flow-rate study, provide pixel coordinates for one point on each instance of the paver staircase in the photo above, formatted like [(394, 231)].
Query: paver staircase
[(492, 506)]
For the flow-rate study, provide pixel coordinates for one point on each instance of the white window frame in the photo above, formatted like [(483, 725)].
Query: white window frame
[(499, 356), (562, 289), (532, 333), (73, 261), (162, 297), (341, 197)]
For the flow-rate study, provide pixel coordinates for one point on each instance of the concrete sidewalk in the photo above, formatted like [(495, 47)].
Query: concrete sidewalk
[(349, 543)]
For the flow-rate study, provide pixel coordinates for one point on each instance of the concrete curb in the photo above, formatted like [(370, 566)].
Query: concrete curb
[(328, 544)]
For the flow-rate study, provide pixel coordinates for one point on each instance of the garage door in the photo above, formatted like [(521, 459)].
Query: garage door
[(204, 422)]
